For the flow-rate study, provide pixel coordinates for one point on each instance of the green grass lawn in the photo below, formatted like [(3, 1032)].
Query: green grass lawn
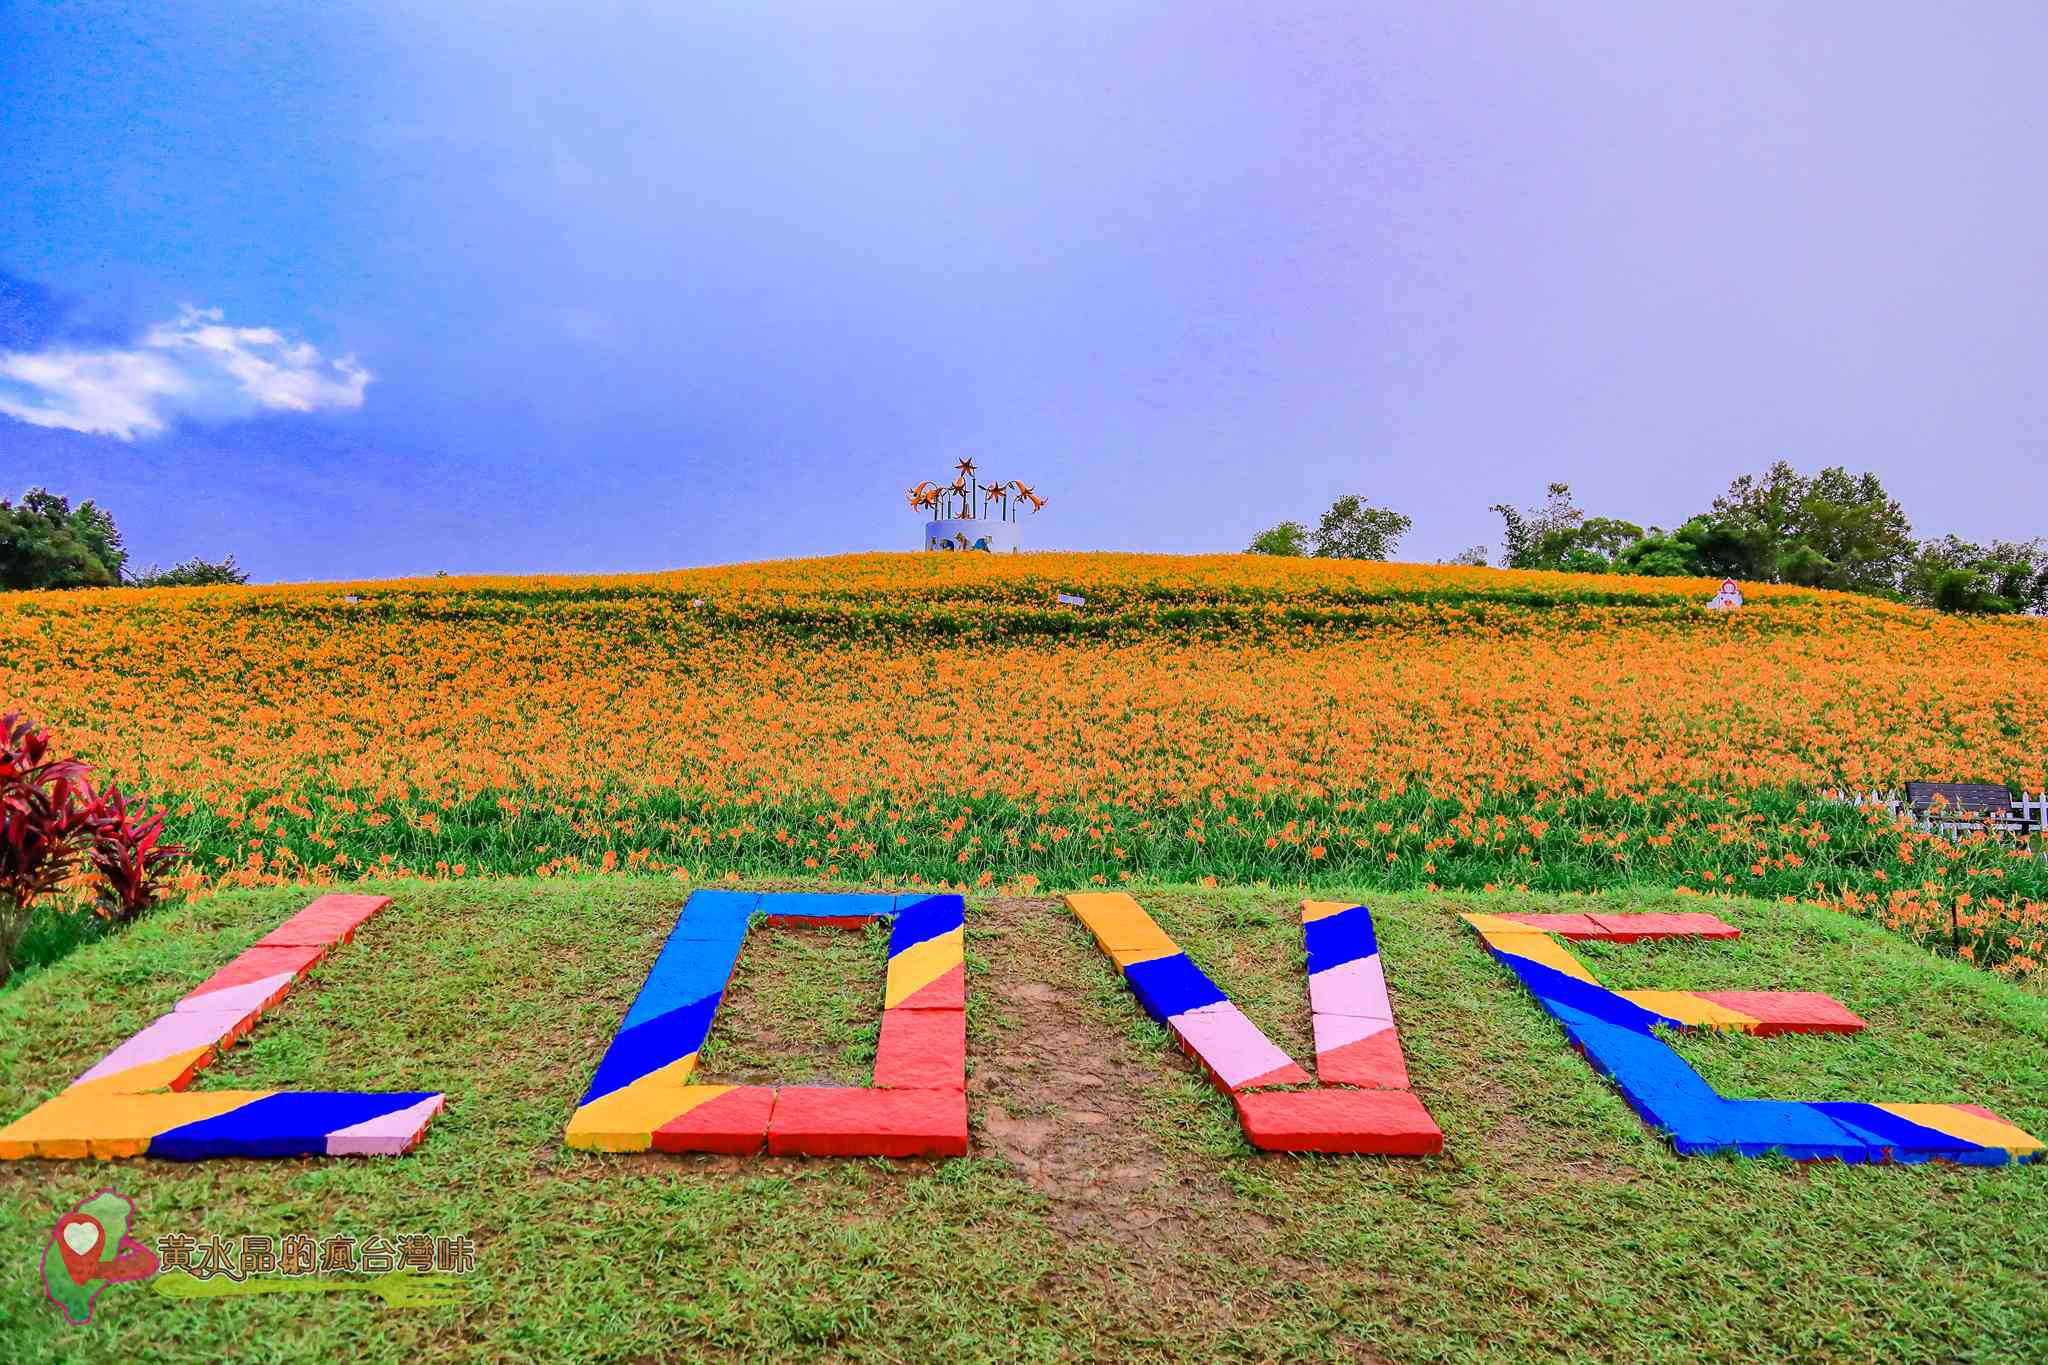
[(1110, 1209)]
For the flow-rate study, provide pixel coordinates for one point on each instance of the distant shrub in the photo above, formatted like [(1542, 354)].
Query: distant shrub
[(1957, 575), (193, 573), (1354, 529), (1288, 538)]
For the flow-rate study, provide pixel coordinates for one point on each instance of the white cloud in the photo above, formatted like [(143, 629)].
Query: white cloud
[(197, 367)]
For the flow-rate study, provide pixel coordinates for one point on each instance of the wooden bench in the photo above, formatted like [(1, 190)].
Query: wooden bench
[(1984, 803)]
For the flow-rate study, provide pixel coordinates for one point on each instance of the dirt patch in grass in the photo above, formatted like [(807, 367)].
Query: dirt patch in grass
[(1056, 1096)]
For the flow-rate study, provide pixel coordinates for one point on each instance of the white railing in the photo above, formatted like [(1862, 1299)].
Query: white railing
[(2032, 806)]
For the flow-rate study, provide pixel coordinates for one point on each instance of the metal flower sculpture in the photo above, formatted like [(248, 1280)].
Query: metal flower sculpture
[(966, 498)]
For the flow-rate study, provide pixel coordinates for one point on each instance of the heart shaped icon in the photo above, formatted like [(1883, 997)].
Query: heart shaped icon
[(79, 1239)]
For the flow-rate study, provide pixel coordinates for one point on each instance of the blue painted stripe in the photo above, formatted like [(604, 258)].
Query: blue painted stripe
[(1337, 939), (716, 915), (1642, 1065), (1910, 1142), (925, 918), (1552, 986), (687, 970), (1664, 1091), (1791, 1129), (1167, 986), (652, 1045), (827, 904), (295, 1123), (1991, 1156), (1668, 1093)]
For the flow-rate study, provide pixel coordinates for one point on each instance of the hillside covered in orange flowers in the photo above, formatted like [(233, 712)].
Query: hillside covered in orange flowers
[(918, 719)]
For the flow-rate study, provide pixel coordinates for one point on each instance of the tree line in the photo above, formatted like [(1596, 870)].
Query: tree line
[(1833, 529), (45, 542)]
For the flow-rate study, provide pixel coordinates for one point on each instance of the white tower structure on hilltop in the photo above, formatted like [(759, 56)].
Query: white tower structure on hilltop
[(968, 514)]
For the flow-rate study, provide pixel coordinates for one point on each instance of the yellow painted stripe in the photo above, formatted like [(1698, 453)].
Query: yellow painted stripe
[(1538, 947), (1087, 903), (1512, 936), (611, 1123), (1498, 924), (103, 1124), (1956, 1122), (1311, 911), (156, 1075), (1693, 1010), (629, 1124), (1120, 924), (1124, 957), (917, 966)]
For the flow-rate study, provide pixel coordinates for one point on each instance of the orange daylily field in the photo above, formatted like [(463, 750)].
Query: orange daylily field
[(938, 719)]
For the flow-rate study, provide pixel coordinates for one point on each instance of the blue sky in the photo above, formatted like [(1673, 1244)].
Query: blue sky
[(605, 287)]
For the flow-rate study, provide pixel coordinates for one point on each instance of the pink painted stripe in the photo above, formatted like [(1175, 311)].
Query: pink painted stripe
[(169, 1035), (1337, 1030), (1279, 1075), (392, 1134), (1230, 1044), (1628, 928), (1357, 987), (250, 997)]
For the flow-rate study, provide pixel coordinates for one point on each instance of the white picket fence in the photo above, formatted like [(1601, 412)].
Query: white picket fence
[(2029, 812)]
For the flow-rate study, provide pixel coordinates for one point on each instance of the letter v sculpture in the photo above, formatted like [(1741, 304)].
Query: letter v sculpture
[(1363, 1105)]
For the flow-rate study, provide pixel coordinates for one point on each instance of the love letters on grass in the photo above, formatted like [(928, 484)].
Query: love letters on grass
[(644, 1094)]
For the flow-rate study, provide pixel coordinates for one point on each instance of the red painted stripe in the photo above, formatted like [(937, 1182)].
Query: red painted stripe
[(851, 1121), (736, 1124), (259, 962), (922, 1050), (1384, 1122), (948, 992), (1375, 1062), (326, 922), (1691, 924), (1788, 1011)]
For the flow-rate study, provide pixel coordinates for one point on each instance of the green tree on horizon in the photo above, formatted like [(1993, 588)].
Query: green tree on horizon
[(1288, 538), (47, 543), (1355, 529), (1956, 575)]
